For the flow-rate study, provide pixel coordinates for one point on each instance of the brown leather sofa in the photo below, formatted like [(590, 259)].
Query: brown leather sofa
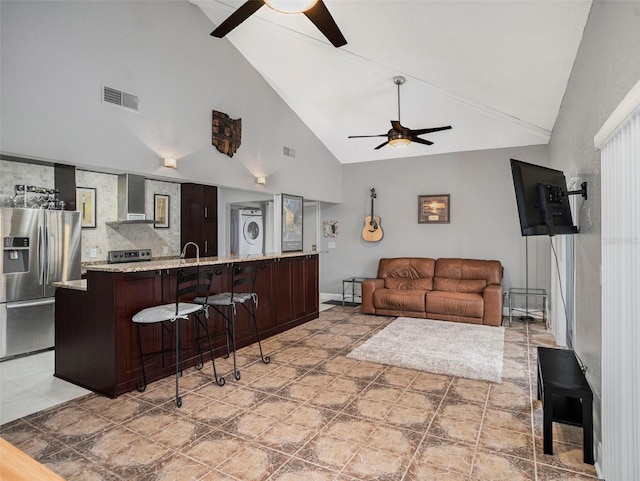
[(448, 289)]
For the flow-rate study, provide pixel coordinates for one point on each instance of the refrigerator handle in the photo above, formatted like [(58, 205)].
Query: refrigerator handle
[(32, 303), (41, 254), (47, 264)]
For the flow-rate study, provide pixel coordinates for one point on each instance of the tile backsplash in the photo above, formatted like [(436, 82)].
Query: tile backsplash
[(104, 238)]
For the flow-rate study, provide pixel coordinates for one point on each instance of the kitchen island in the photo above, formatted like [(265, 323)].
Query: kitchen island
[(96, 340)]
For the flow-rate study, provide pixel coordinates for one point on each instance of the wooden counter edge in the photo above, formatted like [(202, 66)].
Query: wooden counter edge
[(16, 465)]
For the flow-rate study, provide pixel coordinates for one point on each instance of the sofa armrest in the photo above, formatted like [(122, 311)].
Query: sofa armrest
[(368, 288), (492, 296)]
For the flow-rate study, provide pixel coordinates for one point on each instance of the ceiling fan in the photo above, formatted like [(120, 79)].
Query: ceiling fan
[(399, 135), (315, 10)]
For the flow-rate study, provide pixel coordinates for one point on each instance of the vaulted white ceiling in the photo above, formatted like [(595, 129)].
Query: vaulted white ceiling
[(496, 71)]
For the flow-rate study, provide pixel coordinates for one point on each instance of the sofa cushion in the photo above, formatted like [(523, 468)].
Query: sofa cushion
[(455, 303), (469, 269), (459, 285), (406, 268), (400, 299), (402, 283)]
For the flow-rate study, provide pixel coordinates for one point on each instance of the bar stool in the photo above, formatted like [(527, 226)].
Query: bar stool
[(189, 284), (242, 292)]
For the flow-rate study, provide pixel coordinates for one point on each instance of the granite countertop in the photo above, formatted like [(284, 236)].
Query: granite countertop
[(79, 285), (171, 263)]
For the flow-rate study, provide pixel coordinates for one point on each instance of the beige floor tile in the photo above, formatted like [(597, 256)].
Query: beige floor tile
[(374, 410), (394, 440), (350, 428), (430, 383), (423, 472), (410, 418), (168, 428), (549, 473), (298, 470), (444, 454), (460, 410), (72, 466), (253, 463), (505, 441), (328, 451), (178, 467), (214, 449), (370, 463), (285, 437), (565, 456), (504, 419), (310, 417), (397, 376), (490, 466), (460, 430)]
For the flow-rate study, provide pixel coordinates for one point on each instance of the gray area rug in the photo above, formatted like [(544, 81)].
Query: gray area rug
[(441, 347)]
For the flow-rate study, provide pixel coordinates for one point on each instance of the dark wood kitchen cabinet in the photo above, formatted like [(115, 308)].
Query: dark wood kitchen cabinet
[(199, 218), (296, 281)]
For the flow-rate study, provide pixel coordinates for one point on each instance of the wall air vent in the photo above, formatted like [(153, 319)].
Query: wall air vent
[(289, 152), (121, 99)]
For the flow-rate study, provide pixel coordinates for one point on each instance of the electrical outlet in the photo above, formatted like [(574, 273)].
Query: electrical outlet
[(93, 253), (165, 250), (331, 245)]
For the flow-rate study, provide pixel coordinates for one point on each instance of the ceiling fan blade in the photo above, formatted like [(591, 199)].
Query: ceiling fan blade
[(381, 145), (321, 18), (420, 141), (428, 131), (363, 136), (236, 18)]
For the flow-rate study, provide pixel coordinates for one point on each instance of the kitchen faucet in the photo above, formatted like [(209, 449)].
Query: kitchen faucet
[(184, 251)]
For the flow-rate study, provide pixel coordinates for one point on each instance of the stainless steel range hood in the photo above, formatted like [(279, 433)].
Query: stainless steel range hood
[(131, 200)]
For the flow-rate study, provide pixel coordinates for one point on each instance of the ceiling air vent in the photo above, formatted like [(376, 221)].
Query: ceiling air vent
[(121, 99)]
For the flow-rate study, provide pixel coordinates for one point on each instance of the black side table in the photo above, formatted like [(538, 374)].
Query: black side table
[(355, 293), (566, 397)]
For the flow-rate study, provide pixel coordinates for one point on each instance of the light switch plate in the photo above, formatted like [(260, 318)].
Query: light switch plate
[(331, 245), (93, 253)]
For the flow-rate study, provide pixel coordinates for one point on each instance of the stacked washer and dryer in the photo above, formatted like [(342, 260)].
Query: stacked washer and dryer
[(247, 232)]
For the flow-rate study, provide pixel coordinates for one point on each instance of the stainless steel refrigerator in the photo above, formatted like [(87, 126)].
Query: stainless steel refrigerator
[(39, 247)]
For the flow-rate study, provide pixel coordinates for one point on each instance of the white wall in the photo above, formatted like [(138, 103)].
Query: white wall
[(606, 67), (56, 55), (484, 220)]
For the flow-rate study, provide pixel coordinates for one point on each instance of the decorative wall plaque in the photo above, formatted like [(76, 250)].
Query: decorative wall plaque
[(226, 133), (330, 228)]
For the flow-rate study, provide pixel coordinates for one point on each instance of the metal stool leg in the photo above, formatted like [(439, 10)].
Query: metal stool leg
[(177, 328)]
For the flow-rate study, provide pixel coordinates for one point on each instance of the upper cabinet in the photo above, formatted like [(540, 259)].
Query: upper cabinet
[(199, 218)]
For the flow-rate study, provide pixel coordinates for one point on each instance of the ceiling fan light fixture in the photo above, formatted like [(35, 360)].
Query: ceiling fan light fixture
[(290, 6), (398, 139)]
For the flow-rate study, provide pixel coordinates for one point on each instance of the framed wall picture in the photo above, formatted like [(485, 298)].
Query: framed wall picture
[(86, 203), (292, 210), (331, 228), (161, 211), (434, 209)]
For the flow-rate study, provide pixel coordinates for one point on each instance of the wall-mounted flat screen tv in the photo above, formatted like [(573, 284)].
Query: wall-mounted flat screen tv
[(542, 199)]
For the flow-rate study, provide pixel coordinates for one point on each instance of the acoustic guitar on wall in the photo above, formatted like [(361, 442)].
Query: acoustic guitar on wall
[(372, 231)]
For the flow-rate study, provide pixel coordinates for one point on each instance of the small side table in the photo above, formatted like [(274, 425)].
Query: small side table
[(350, 284), (566, 397), (539, 294)]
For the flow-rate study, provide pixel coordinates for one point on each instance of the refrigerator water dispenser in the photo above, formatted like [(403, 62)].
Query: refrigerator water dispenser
[(15, 255)]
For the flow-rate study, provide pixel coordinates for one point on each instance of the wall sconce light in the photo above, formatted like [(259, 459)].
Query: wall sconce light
[(261, 180), (172, 163)]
